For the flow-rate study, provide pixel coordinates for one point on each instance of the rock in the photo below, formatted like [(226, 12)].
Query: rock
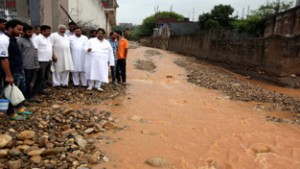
[(36, 152), (105, 159), (83, 166), (110, 126), (35, 159), (94, 158), (55, 106), (49, 166), (67, 111), (80, 141), (29, 142), (49, 145), (135, 118), (261, 148), (14, 152), (259, 107), (75, 163), (54, 151), (26, 135), (15, 164), (5, 140), (157, 162), (12, 130), (3, 153), (70, 142), (293, 75), (65, 166), (23, 147), (89, 131)]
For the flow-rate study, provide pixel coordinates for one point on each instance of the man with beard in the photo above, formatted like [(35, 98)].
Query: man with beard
[(78, 42), (71, 30), (30, 58), (44, 49), (100, 55), (12, 64), (114, 44), (2, 25), (63, 63)]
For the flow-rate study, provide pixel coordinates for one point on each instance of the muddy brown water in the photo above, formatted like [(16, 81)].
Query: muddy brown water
[(192, 127)]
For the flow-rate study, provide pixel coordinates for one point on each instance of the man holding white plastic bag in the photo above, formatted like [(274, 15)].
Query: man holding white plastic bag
[(12, 65)]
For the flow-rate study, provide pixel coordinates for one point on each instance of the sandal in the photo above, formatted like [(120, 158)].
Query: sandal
[(17, 117), (23, 111)]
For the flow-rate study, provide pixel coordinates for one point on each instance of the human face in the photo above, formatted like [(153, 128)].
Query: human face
[(2, 26), (100, 35), (17, 31), (46, 32), (62, 30), (71, 27), (114, 36), (28, 33), (37, 31), (77, 32)]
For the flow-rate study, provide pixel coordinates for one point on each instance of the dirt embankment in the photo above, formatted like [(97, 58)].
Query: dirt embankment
[(234, 88)]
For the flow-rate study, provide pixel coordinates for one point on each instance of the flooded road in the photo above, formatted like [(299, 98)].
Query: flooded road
[(163, 115)]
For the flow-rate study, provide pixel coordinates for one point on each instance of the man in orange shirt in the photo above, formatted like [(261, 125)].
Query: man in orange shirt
[(122, 56)]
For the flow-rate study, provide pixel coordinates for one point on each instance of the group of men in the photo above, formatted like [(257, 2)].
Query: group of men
[(29, 55)]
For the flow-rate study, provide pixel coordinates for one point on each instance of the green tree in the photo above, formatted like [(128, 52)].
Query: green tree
[(149, 23), (220, 17), (254, 23)]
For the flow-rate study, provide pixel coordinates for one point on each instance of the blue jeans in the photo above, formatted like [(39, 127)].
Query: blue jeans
[(20, 82)]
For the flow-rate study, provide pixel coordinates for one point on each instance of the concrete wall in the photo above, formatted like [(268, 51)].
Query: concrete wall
[(88, 12), (277, 56), (286, 23)]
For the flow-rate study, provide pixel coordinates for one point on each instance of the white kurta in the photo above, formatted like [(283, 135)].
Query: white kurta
[(78, 52), (61, 48), (97, 61)]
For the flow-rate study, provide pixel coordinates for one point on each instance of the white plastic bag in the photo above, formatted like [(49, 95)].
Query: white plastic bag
[(14, 94)]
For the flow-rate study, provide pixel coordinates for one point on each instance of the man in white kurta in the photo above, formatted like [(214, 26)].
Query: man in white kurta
[(100, 56), (78, 41), (63, 63)]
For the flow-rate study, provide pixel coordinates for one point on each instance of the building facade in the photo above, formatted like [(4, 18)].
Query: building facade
[(91, 14)]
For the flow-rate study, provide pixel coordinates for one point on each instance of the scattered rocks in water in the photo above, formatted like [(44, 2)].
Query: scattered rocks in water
[(110, 126), (135, 118), (157, 162), (152, 52), (214, 78), (145, 65), (261, 148)]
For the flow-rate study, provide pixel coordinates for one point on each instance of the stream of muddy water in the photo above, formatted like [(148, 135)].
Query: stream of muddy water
[(163, 115)]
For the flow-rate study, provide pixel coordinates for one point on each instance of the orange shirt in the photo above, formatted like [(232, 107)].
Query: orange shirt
[(122, 46)]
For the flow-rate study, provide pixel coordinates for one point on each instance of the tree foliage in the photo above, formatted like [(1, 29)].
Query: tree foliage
[(254, 23), (220, 17), (149, 23)]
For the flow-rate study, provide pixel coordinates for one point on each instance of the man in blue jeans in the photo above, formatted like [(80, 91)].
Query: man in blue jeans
[(114, 44), (12, 64)]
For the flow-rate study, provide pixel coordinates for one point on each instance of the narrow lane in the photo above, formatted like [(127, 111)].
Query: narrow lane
[(163, 115)]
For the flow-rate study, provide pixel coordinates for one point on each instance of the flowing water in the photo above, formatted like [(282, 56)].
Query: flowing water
[(191, 126)]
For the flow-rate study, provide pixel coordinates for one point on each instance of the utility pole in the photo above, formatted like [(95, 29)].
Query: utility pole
[(193, 14), (248, 11)]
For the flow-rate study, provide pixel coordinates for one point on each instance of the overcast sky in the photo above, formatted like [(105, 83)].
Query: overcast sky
[(134, 11)]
